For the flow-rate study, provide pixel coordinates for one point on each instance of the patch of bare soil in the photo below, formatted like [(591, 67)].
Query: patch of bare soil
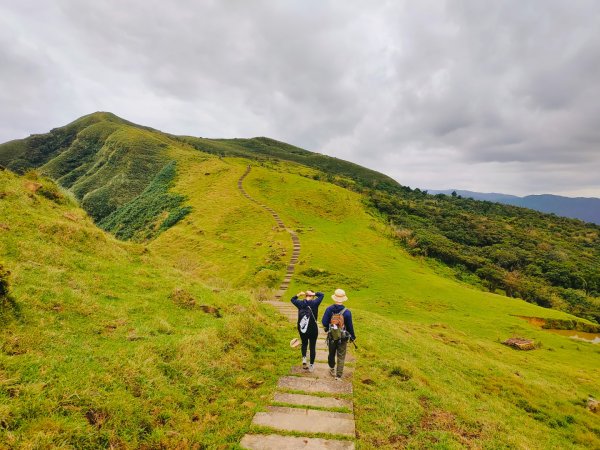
[(435, 419)]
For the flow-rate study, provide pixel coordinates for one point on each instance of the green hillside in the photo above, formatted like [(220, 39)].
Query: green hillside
[(548, 260), (431, 369), (122, 172), (102, 345)]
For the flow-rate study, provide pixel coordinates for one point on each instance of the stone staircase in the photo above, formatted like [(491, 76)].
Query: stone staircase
[(305, 403), (295, 240)]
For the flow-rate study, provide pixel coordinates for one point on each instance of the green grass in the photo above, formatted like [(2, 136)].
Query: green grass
[(100, 350), (226, 238), (101, 355), (465, 388)]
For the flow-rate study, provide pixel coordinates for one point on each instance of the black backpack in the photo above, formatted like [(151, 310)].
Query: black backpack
[(304, 315)]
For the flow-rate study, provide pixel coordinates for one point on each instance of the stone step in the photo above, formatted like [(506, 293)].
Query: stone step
[(312, 400), (322, 355), (311, 385), (321, 371), (276, 442), (306, 420)]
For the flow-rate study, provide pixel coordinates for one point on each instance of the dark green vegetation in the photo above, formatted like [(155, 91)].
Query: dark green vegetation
[(151, 212), (548, 260), (113, 167), (8, 306), (586, 209)]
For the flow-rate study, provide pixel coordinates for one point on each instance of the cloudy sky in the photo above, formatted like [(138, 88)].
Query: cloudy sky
[(498, 95)]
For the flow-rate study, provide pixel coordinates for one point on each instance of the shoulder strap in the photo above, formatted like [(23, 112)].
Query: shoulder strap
[(313, 315), (311, 312)]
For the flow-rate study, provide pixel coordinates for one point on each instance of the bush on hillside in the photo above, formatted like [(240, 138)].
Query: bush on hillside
[(543, 259), (150, 213), (183, 298)]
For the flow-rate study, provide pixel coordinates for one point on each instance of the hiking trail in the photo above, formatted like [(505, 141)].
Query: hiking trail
[(307, 403)]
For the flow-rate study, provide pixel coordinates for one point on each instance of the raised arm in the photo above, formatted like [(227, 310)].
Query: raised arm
[(296, 301), (319, 298)]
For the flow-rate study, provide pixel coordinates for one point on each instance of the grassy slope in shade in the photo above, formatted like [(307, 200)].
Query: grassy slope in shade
[(102, 356), (431, 369)]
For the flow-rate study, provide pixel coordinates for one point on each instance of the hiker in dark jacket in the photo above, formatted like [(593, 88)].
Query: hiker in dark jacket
[(308, 311), (337, 347)]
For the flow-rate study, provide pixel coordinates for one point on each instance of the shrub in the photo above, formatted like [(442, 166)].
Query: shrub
[(150, 213), (51, 192), (183, 298)]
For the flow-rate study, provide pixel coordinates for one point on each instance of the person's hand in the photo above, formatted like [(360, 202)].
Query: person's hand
[(301, 294)]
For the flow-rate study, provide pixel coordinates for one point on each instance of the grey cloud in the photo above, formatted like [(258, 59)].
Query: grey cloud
[(463, 94)]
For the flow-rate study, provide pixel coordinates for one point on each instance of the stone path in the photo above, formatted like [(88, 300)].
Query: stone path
[(305, 402), (295, 240)]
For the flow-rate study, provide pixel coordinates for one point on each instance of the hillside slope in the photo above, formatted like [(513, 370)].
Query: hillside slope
[(108, 346), (431, 369), (123, 175), (106, 162)]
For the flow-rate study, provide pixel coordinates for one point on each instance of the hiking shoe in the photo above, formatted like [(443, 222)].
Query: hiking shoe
[(332, 371), (304, 363), (311, 368)]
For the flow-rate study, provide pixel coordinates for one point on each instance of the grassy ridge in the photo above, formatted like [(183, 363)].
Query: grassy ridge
[(548, 260), (265, 148), (108, 162), (112, 347), (431, 369), (105, 161)]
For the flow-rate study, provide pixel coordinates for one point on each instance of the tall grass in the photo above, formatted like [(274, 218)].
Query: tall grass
[(103, 354)]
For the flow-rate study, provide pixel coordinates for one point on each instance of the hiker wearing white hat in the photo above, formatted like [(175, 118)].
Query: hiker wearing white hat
[(337, 322), (308, 310)]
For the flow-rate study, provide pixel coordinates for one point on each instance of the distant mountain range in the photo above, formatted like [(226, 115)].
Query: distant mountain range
[(586, 209)]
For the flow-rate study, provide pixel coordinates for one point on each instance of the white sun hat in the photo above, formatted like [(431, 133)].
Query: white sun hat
[(339, 296)]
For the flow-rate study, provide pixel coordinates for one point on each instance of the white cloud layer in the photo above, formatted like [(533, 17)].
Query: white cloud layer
[(487, 96)]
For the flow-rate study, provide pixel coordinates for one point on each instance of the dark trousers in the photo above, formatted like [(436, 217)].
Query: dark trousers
[(337, 348), (309, 338)]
